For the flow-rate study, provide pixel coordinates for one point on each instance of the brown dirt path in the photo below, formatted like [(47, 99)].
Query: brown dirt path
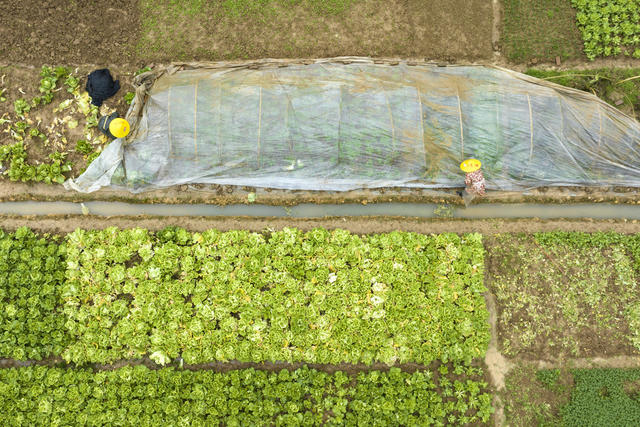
[(60, 224)]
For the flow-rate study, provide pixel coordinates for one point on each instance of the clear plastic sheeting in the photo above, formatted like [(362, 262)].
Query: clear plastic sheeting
[(336, 126)]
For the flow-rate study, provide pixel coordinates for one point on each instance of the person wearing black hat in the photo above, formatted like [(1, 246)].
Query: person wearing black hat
[(101, 86)]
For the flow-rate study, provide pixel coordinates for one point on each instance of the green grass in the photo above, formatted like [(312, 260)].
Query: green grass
[(610, 84), (572, 397), (224, 29), (565, 294), (540, 29)]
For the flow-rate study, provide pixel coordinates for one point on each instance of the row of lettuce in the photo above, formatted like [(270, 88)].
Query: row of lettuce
[(54, 396), (324, 297)]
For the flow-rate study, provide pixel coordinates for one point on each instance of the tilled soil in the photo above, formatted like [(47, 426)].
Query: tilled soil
[(68, 32)]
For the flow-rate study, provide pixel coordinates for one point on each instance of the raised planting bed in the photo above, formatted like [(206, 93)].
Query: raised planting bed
[(316, 297), (54, 396), (565, 294)]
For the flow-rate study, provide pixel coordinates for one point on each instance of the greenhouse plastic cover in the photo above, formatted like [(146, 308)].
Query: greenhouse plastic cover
[(340, 126)]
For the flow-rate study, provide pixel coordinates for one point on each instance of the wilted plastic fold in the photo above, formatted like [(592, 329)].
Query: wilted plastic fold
[(335, 126)]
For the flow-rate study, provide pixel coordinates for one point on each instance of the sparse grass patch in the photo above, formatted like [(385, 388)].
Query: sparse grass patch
[(565, 294), (533, 397), (540, 29), (242, 29)]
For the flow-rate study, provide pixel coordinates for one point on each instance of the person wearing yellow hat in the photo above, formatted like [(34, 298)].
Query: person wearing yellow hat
[(113, 126), (474, 179)]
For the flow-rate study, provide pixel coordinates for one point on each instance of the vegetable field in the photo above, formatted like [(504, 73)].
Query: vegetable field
[(316, 327), (53, 396), (327, 298), (482, 323)]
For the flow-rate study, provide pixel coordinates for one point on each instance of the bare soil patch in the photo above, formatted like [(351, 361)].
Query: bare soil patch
[(68, 32)]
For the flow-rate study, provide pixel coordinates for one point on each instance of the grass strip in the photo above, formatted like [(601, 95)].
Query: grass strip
[(540, 30), (316, 297), (54, 396)]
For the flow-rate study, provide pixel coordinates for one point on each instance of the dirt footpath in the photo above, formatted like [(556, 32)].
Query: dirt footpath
[(61, 224)]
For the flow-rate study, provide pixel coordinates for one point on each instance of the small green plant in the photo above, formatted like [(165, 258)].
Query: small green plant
[(20, 127), (142, 70), (84, 147), (2, 97), (128, 98), (21, 106), (548, 377), (72, 83)]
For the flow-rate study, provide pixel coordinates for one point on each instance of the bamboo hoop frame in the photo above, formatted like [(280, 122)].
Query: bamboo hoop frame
[(393, 128), (259, 125), (195, 120), (530, 128), (219, 120), (424, 141), (169, 135), (461, 128)]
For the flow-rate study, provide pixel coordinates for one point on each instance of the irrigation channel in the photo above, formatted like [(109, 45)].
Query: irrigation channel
[(310, 210)]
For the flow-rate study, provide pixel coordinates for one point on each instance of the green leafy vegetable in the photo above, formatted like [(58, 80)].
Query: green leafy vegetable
[(138, 395)]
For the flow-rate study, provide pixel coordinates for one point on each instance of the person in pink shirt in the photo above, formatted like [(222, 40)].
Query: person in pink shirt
[(474, 179)]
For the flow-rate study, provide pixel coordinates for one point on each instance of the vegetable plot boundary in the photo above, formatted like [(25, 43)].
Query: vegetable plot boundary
[(109, 305)]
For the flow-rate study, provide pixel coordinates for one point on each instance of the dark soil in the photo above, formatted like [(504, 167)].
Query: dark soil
[(68, 32)]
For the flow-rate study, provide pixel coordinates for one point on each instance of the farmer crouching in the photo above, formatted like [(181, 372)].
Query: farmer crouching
[(474, 180), (113, 126)]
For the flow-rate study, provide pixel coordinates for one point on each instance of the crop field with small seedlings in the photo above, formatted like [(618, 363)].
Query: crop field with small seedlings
[(356, 321)]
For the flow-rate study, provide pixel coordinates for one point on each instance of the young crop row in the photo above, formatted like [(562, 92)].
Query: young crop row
[(316, 297), (137, 395), (609, 27)]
